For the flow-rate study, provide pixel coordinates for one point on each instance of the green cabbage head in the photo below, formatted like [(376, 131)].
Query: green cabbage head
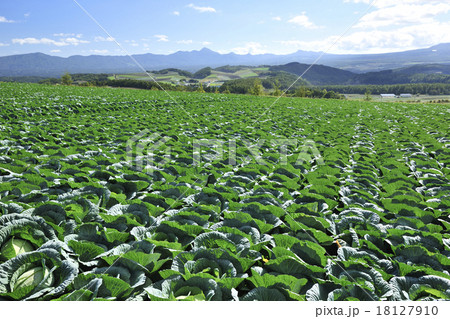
[(14, 247), (33, 277)]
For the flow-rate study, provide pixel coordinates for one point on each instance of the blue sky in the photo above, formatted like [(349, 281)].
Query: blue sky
[(61, 27)]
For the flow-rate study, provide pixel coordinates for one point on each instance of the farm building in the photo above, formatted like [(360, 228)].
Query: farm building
[(406, 95), (387, 95)]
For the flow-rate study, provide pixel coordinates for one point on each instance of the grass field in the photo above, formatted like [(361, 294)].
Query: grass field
[(115, 194), (216, 76), (246, 74)]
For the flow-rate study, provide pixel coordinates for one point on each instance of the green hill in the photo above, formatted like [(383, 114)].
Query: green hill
[(317, 74), (425, 73)]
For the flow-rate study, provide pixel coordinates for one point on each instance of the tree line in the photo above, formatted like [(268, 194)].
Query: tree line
[(271, 84)]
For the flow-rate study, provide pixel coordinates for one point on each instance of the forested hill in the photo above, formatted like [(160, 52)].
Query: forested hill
[(317, 74), (324, 75)]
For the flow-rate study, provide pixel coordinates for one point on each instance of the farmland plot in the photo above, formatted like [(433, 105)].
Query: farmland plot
[(109, 194)]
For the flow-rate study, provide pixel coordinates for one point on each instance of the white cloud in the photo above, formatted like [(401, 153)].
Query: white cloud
[(162, 37), (185, 42), (398, 25), (47, 41), (201, 9), (390, 3), (37, 41), (4, 44), (303, 21), (276, 18), (379, 41), (99, 51), (26, 15), (189, 42), (176, 13), (292, 43), (4, 20), (133, 43), (55, 51), (74, 41), (401, 14), (103, 39), (250, 48)]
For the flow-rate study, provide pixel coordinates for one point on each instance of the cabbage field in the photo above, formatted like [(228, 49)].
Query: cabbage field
[(116, 194)]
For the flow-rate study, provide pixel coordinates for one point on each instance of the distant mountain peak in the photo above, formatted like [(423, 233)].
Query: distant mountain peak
[(205, 49)]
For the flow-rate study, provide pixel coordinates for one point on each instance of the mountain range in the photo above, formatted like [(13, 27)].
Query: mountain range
[(39, 64)]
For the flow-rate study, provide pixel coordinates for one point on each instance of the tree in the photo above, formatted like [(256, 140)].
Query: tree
[(301, 92), (277, 91), (257, 88), (200, 88), (66, 79), (367, 95)]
